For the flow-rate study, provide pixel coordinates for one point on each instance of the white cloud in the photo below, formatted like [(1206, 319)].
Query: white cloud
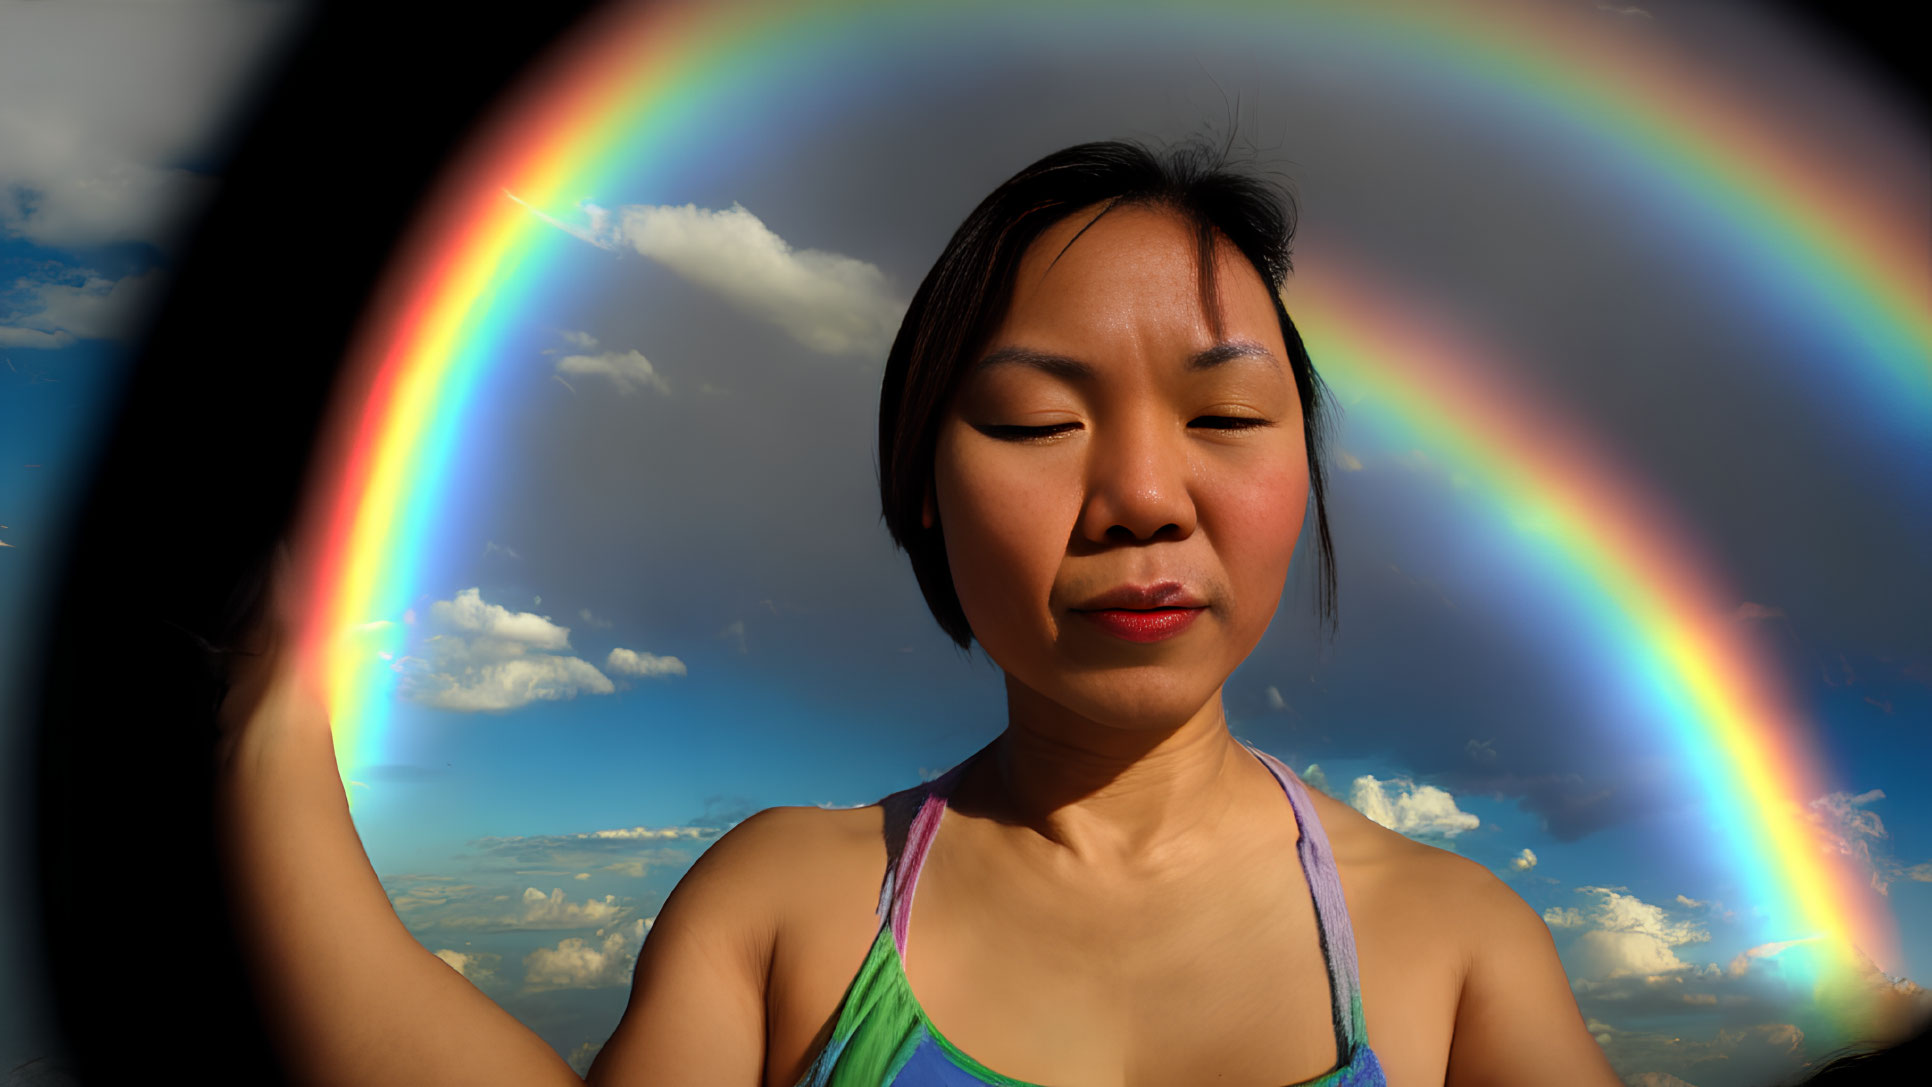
[(469, 614), (555, 911), (13, 336), (1605, 953), (103, 103), (500, 666), (629, 662), (1844, 824), (655, 834), (1627, 937), (1411, 809), (830, 303), (1315, 778), (603, 961), (49, 314), (1564, 917), (475, 966), (1272, 696), (1523, 861), (1621, 912), (465, 684), (628, 370)]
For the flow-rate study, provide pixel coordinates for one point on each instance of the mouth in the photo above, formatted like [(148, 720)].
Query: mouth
[(1160, 596), (1142, 624)]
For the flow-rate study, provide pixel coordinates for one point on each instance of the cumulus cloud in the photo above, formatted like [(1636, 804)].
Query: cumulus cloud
[(468, 613), (423, 893), (1625, 937), (629, 662), (830, 303), (1419, 811), (1564, 917), (1742, 1056), (553, 910), (465, 677), (472, 907), (494, 660), (106, 102), (1606, 953), (624, 851), (1622, 912), (476, 966), (603, 961), (628, 370), (51, 313), (655, 834), (1523, 861), (1844, 824), (1315, 778)]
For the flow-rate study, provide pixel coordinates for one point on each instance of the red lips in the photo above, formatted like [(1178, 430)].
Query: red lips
[(1143, 626), (1144, 613)]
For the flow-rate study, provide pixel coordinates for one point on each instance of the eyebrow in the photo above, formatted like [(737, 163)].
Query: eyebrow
[(1072, 369)]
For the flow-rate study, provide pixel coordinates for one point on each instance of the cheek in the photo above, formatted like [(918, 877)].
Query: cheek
[(1264, 514), (1006, 533)]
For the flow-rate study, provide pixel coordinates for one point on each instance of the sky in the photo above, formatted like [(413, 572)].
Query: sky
[(659, 596)]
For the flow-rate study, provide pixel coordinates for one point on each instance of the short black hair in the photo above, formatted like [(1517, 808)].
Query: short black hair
[(964, 299)]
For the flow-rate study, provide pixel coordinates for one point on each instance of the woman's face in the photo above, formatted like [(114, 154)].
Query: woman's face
[(1107, 440)]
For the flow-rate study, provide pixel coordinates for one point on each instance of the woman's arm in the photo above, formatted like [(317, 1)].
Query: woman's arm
[(697, 1015), (1517, 1024), (351, 995)]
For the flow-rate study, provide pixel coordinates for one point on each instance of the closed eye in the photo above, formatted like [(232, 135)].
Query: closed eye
[(1231, 422), (1026, 433), (1038, 433)]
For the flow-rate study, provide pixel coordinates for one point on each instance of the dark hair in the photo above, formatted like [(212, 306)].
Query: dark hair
[(964, 298)]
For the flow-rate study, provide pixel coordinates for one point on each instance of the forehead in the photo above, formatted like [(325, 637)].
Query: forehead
[(1136, 269)]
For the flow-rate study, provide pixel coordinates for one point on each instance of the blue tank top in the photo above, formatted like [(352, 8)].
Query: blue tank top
[(883, 1038)]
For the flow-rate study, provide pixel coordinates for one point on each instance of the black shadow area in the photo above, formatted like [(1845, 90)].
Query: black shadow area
[(197, 480)]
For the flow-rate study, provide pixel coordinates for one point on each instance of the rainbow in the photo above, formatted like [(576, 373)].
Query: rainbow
[(619, 97)]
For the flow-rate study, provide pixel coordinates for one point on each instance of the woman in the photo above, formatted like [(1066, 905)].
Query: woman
[(1099, 433)]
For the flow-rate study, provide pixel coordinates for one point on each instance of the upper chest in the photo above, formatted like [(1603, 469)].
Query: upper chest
[(1219, 976)]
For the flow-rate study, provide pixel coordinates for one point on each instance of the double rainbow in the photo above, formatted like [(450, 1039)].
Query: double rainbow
[(633, 79)]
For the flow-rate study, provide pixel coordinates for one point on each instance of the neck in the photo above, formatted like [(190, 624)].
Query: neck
[(1104, 797)]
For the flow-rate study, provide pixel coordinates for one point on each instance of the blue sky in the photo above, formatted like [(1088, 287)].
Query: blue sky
[(672, 457)]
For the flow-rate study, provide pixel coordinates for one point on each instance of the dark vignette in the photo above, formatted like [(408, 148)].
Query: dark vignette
[(198, 478)]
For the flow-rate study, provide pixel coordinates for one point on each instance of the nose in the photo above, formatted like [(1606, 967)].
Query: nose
[(1138, 482)]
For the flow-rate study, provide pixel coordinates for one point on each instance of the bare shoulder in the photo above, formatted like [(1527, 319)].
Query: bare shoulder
[(780, 852), (1517, 1021), (1421, 912), (698, 1005), (1394, 874)]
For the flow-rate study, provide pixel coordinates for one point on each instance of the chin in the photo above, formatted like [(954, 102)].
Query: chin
[(1137, 707)]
